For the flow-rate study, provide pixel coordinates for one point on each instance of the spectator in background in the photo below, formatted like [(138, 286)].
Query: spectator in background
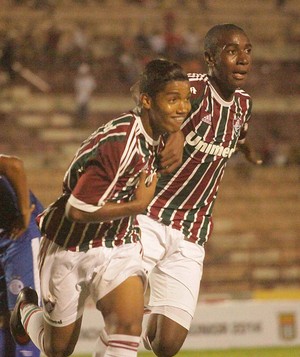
[(53, 36), (8, 56), (129, 65), (84, 84), (19, 244), (80, 41), (157, 42)]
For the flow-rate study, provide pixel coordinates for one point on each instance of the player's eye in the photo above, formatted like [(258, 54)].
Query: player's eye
[(232, 52)]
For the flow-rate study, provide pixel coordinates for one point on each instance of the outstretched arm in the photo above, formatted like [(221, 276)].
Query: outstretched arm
[(248, 152), (13, 169)]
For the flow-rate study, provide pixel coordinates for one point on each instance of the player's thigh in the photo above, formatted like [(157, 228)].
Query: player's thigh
[(175, 282), (153, 241), (63, 284), (119, 289), (123, 307)]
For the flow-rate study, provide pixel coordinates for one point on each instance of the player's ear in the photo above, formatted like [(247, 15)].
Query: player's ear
[(209, 58), (145, 101)]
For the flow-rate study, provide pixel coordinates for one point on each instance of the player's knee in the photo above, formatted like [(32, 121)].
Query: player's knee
[(166, 346), (133, 328)]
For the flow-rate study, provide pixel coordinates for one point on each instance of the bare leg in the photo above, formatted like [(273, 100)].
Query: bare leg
[(123, 308), (165, 335)]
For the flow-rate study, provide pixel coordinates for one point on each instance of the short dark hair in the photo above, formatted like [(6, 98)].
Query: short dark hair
[(158, 73), (212, 37)]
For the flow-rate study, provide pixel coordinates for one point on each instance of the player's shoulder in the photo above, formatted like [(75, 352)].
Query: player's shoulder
[(197, 77), (117, 126), (198, 83), (241, 93)]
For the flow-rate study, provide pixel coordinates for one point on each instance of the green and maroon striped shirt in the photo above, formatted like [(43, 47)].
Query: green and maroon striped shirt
[(105, 168), (185, 198)]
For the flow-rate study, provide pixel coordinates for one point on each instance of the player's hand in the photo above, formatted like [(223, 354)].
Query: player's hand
[(145, 189), (21, 223), (171, 155), (249, 153)]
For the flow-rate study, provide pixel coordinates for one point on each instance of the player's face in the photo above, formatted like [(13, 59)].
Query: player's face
[(170, 107), (232, 62)]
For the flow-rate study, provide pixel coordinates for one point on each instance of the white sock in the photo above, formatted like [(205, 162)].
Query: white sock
[(101, 344), (122, 346), (145, 339), (32, 319)]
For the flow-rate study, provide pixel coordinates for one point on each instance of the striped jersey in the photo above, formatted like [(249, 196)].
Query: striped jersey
[(184, 199), (105, 168)]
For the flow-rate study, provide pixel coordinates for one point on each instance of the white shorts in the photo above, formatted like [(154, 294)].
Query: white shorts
[(68, 278), (174, 267)]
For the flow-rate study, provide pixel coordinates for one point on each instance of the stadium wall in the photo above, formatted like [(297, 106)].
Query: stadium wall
[(226, 324)]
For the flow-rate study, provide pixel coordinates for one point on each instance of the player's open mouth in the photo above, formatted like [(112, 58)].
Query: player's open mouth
[(179, 119), (239, 75)]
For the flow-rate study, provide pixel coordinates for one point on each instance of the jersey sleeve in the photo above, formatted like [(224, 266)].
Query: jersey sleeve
[(197, 84), (102, 174)]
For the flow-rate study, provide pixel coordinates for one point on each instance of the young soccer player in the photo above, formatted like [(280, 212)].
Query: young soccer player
[(91, 240), (19, 245), (178, 221)]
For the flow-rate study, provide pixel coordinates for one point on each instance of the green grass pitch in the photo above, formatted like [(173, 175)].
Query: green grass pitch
[(249, 352)]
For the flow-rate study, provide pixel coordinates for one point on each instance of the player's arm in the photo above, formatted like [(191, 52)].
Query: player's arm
[(13, 169), (112, 211), (171, 155), (244, 147)]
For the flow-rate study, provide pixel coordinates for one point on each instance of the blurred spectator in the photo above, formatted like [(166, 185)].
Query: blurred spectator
[(53, 36), (280, 4), (84, 84), (128, 62), (142, 43), (8, 56), (191, 42), (157, 42), (203, 5), (173, 39), (80, 39)]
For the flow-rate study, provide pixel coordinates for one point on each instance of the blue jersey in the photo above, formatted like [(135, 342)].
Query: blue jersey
[(18, 259), (9, 209)]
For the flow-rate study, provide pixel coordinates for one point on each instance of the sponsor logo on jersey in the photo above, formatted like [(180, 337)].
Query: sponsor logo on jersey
[(208, 148), (15, 286)]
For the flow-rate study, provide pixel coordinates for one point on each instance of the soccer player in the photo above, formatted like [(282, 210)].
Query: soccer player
[(90, 244), (178, 221), (19, 244)]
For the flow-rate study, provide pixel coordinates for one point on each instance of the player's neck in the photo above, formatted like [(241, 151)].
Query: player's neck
[(222, 89)]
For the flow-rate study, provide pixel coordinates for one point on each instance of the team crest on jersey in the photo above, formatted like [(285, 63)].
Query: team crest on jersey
[(49, 306), (237, 124), (15, 286)]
